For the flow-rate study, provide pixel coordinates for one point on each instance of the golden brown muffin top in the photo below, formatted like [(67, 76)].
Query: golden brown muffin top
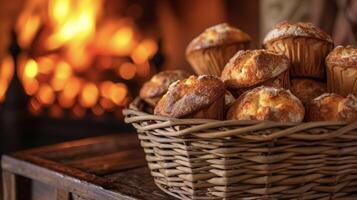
[(333, 107), (301, 29), (250, 67), (267, 103), (343, 56), (159, 83), (218, 35), (186, 97), (307, 89)]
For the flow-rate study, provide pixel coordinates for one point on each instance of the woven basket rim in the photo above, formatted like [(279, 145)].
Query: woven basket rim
[(134, 116)]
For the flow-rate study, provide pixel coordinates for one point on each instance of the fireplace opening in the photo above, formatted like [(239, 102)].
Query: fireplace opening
[(76, 65)]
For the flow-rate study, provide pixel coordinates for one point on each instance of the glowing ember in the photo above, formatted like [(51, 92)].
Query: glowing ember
[(35, 107), (89, 95), (31, 86), (31, 69), (61, 76), (118, 93), (127, 71), (45, 94)]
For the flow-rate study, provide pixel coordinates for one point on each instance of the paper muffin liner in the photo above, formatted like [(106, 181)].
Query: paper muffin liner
[(307, 55), (211, 61), (342, 80), (280, 81), (214, 111)]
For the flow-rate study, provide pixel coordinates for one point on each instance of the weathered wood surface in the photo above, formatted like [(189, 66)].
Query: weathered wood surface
[(106, 168)]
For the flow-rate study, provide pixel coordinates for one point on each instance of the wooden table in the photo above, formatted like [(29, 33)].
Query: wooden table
[(103, 168)]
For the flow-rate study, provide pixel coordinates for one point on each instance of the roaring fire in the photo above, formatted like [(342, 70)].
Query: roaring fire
[(71, 48)]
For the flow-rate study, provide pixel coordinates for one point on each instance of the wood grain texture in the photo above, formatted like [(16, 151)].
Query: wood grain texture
[(62, 195), (103, 168), (9, 185)]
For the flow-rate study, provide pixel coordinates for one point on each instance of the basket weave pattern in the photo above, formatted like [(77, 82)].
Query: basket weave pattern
[(210, 159)]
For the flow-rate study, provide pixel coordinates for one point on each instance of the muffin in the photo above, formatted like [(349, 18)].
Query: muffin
[(267, 103), (251, 68), (307, 89), (306, 46), (157, 86), (342, 70), (209, 52), (195, 97), (333, 107)]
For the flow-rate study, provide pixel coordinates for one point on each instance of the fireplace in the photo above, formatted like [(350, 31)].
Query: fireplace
[(71, 66)]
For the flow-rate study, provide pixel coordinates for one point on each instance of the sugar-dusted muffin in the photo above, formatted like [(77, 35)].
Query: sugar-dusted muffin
[(251, 68), (157, 86), (267, 103), (305, 44), (333, 107), (209, 52), (342, 70), (195, 97), (307, 89)]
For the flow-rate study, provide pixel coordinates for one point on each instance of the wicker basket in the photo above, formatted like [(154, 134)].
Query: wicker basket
[(210, 159)]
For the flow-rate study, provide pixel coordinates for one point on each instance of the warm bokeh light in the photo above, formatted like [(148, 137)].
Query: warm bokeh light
[(127, 71), (46, 64), (118, 93), (3, 88), (105, 88), (77, 22), (31, 69), (89, 95), (65, 101), (122, 41), (143, 70), (6, 74), (61, 76), (45, 94), (56, 111), (58, 10), (106, 104), (79, 57), (28, 27), (31, 86), (144, 51)]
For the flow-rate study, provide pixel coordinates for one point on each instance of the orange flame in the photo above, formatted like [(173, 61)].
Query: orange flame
[(127, 71), (89, 95), (73, 20), (61, 76), (27, 27), (118, 92), (122, 41), (46, 64), (144, 51), (58, 10), (74, 47), (31, 69), (45, 94)]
